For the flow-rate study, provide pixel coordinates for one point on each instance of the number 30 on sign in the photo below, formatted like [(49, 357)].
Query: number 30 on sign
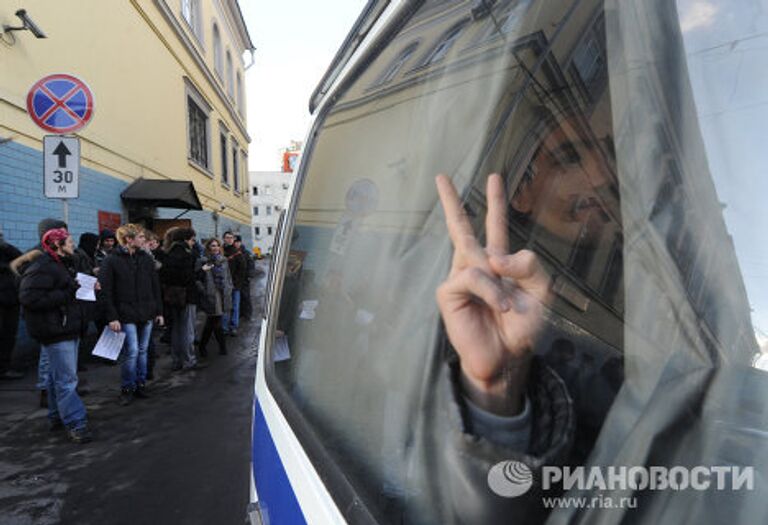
[(61, 166)]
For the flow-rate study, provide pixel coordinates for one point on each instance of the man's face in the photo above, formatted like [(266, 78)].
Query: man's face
[(561, 190), (152, 244), (139, 241), (229, 239), (191, 242), (68, 248), (108, 244), (238, 244)]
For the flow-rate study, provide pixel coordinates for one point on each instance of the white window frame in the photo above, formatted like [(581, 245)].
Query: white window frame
[(192, 15)]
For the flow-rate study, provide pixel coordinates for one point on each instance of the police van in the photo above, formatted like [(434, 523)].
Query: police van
[(521, 278)]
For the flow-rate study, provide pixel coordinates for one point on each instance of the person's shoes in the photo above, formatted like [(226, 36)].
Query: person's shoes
[(83, 391), (43, 399), (79, 435), (140, 392), (55, 424), (81, 368), (126, 396), (197, 366), (10, 375)]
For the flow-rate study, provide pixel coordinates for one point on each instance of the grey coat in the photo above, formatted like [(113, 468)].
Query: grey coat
[(220, 301)]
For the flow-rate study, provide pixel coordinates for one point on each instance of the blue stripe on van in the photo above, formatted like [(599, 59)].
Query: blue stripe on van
[(278, 503)]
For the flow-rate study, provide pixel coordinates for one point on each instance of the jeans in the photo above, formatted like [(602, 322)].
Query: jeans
[(183, 336), (43, 370), (231, 320), (133, 358), (63, 401)]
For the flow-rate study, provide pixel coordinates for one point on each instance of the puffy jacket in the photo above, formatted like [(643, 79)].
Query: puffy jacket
[(130, 287), (9, 293), (182, 268), (47, 296)]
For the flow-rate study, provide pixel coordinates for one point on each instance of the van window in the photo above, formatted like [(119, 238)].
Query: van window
[(629, 161)]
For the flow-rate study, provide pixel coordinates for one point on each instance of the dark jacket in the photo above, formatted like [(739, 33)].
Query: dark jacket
[(9, 292), (238, 266), (47, 296), (182, 269), (130, 287)]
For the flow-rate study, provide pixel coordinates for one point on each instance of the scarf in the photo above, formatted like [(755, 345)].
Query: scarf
[(218, 271), (54, 236)]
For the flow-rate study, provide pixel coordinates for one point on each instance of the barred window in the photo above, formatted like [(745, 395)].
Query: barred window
[(198, 133)]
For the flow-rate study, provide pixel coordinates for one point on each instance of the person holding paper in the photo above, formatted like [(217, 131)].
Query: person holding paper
[(55, 318), (132, 301)]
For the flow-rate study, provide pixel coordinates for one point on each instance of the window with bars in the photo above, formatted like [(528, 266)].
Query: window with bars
[(224, 162), (198, 133)]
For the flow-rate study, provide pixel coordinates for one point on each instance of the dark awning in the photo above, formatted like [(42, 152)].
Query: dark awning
[(162, 193)]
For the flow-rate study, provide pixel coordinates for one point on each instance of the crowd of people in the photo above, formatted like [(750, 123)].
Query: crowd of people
[(143, 284)]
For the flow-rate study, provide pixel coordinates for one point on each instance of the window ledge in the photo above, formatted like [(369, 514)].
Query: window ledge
[(202, 169)]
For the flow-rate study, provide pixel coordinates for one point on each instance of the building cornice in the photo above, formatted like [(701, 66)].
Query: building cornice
[(182, 35)]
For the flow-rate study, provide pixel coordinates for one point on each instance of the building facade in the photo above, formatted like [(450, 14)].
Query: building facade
[(270, 192), (169, 105)]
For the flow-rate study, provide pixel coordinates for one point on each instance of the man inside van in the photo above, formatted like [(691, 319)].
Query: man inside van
[(493, 305)]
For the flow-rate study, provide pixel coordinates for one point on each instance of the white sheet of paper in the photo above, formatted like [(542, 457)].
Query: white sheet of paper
[(363, 317), (308, 309), (109, 344), (281, 351), (86, 292)]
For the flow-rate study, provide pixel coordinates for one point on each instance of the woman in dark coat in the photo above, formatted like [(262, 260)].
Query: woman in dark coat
[(218, 295)]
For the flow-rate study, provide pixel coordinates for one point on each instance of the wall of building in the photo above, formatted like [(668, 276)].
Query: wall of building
[(139, 73), (269, 190)]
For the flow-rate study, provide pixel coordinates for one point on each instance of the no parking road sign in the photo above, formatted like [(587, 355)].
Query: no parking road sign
[(61, 156), (60, 103)]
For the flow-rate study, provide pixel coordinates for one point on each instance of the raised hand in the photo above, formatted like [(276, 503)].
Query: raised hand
[(492, 302)]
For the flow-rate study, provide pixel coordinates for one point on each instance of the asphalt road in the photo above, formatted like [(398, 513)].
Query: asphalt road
[(182, 456)]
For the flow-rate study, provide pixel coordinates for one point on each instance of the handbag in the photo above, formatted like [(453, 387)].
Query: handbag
[(175, 295)]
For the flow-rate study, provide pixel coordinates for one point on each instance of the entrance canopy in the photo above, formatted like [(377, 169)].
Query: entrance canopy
[(162, 193)]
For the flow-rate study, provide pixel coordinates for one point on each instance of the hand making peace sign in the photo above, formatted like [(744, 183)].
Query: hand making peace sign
[(492, 302)]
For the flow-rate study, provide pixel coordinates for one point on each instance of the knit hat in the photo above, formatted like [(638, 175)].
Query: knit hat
[(49, 224), (106, 234)]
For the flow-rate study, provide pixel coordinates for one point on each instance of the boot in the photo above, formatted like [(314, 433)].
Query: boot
[(140, 392), (126, 396), (79, 435)]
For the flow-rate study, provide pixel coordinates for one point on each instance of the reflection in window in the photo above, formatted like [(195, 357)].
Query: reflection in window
[(445, 44), (396, 65), (230, 78), (217, 60)]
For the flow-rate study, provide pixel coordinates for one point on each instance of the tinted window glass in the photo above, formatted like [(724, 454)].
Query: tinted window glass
[(628, 161)]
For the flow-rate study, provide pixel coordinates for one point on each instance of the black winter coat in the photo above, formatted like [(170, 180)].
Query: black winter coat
[(130, 288), (9, 292), (182, 268), (238, 266), (47, 296)]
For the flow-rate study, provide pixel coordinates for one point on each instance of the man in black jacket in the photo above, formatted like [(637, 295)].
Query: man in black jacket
[(230, 321), (132, 300), (9, 309), (55, 318)]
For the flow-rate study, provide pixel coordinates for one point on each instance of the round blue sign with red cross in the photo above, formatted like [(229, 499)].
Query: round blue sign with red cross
[(60, 103)]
